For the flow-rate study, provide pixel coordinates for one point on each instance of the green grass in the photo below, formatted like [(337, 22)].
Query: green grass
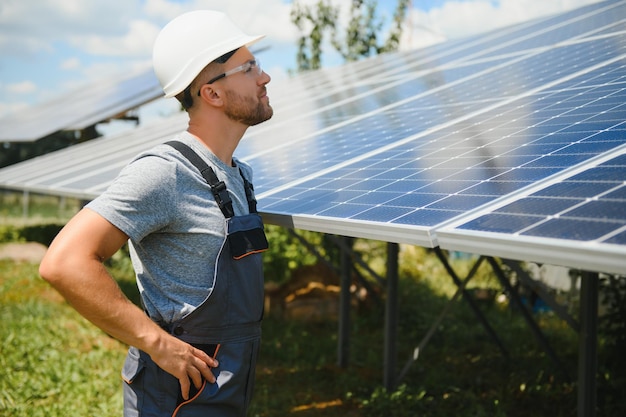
[(54, 363)]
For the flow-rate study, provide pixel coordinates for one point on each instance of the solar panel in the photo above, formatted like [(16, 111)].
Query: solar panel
[(577, 220), (431, 147), (475, 150), (82, 108), (85, 170)]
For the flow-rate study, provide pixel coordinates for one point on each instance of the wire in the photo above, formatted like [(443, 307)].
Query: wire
[(217, 348), (191, 399)]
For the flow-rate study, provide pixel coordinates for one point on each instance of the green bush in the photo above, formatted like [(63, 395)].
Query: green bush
[(286, 253), (612, 335), (9, 233), (43, 233)]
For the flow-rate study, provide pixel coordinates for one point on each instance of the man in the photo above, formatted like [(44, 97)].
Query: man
[(195, 237)]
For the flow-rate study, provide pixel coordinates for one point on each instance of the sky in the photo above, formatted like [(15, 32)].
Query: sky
[(50, 47)]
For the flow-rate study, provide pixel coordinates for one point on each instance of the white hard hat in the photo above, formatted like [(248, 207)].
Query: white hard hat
[(189, 43)]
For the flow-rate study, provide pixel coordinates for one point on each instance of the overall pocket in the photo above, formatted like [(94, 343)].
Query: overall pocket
[(133, 390), (209, 349), (133, 365)]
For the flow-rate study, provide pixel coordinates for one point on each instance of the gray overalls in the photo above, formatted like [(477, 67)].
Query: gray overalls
[(230, 317)]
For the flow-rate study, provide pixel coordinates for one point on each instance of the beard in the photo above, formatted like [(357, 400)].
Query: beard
[(246, 110)]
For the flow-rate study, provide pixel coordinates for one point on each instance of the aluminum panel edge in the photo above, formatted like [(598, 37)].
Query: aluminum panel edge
[(588, 256), (386, 232)]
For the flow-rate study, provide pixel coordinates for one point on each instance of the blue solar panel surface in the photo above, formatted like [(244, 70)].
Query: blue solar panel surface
[(444, 137), (484, 130), (588, 206), (587, 209), (473, 144)]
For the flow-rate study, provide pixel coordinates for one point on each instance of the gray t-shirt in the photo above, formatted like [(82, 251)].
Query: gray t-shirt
[(161, 201)]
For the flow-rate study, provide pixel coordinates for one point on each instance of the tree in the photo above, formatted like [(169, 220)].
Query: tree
[(361, 36), (320, 18)]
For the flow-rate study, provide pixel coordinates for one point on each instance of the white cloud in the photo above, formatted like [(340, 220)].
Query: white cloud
[(25, 87), (464, 18), (33, 28), (12, 107), (162, 10), (10, 94), (136, 41), (70, 64)]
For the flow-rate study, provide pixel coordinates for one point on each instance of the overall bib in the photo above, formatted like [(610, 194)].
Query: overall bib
[(230, 318)]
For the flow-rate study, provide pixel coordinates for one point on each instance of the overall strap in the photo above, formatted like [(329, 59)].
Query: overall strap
[(218, 188), (249, 193)]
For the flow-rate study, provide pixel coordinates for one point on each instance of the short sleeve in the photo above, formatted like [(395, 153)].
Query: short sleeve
[(141, 199)]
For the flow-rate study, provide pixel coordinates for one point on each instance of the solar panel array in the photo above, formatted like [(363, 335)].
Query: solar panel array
[(84, 107), (509, 144)]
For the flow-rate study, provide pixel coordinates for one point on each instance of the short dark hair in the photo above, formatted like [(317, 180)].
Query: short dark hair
[(226, 56), (185, 98)]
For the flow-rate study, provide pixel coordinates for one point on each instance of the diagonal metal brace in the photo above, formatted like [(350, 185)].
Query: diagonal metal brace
[(470, 300), (545, 296), (534, 327), (439, 319)]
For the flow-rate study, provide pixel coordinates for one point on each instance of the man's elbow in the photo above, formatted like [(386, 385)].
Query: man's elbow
[(51, 267)]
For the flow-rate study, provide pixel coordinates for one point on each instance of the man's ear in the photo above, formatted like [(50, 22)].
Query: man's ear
[(211, 95)]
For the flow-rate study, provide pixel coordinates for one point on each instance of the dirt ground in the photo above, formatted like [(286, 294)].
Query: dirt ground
[(26, 252)]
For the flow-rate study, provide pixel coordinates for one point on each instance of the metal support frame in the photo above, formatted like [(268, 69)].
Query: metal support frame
[(534, 327), (545, 296), (347, 249), (470, 300), (314, 251), (25, 203), (461, 291), (587, 349), (343, 347), (391, 318), (587, 327), (587, 345), (435, 325)]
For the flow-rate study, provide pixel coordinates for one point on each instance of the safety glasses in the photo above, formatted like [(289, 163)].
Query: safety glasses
[(254, 65)]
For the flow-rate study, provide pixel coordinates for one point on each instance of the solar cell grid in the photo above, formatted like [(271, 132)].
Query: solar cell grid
[(549, 30), (356, 131), (383, 96), (589, 205), (570, 189), (454, 176), (617, 239), (571, 229)]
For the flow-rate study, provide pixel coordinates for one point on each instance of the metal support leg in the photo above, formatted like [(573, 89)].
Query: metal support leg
[(391, 318), (344, 247), (587, 345), (344, 310)]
